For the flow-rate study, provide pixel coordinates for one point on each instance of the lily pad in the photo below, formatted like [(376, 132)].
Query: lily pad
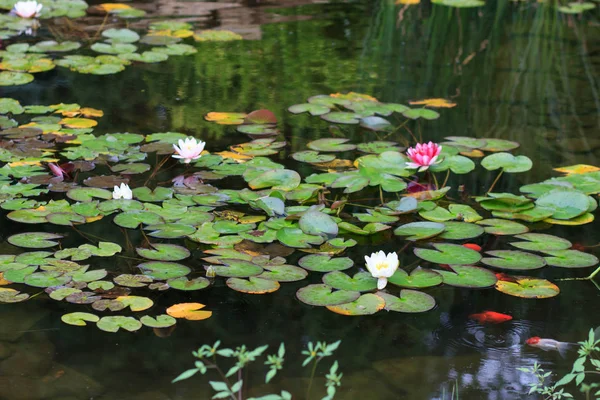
[(416, 113), (341, 117), (541, 242), (47, 279), (79, 318), (419, 278), (293, 237), (133, 219), (313, 109), (34, 240), (528, 288), (113, 324), (570, 259), (331, 144), (468, 277), (237, 269), (446, 253), (130, 280), (420, 230), (366, 304), (189, 311), (360, 282), (170, 231), (283, 273), (8, 78), (160, 321), (314, 222), (136, 303), (567, 204), (410, 301), (193, 284), (508, 162), (253, 285), (277, 179), (460, 230), (325, 263), (324, 295), (513, 260), (164, 252), (502, 227), (162, 270)]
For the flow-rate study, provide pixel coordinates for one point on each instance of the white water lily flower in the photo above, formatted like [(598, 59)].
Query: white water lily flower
[(27, 9), (188, 149), (382, 266), (123, 192)]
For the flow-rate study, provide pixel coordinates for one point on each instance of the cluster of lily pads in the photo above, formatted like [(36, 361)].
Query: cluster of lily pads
[(573, 7), (116, 48), (57, 172)]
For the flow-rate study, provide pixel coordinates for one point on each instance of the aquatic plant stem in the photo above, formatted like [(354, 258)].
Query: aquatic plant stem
[(590, 277), (446, 178), (242, 388), (381, 195), (312, 377), (156, 169), (435, 181), (495, 181), (214, 365)]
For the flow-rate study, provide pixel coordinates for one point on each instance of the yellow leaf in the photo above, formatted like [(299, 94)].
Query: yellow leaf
[(189, 311), (78, 123), (93, 219), (3, 282), (241, 158), (353, 96), (581, 220), (335, 165), (180, 33), (408, 1), (108, 7), (475, 153), (436, 103), (251, 219), (577, 169), (91, 112), (225, 118)]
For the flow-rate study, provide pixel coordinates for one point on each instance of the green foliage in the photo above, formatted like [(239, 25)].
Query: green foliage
[(242, 357)]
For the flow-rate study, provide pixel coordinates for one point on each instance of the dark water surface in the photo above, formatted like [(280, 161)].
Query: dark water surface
[(518, 71)]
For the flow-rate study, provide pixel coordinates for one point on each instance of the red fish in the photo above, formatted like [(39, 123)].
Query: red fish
[(490, 317), (472, 246), (549, 344)]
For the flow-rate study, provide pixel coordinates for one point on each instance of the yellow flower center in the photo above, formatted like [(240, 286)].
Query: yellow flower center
[(381, 265)]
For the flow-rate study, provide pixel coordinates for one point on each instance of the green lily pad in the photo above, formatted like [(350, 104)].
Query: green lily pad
[(47, 279), (65, 218), (375, 123), (325, 263), (283, 273), (170, 231), (158, 194), (360, 282), (570, 259), (237, 269), (62, 292), (8, 78), (495, 145), (113, 324), (34, 240), (465, 141), (53, 46), (502, 227), (425, 113), (378, 147), (367, 304), (314, 222), (136, 303), (129, 280), (468, 277), (8, 295), (8, 105), (508, 162), (193, 284), (341, 117), (293, 237), (352, 182), (33, 257), (18, 275), (160, 321), (79, 318), (446, 253), (567, 204), (164, 252), (419, 278), (331, 144), (133, 219), (419, 230), (460, 230), (101, 285), (513, 260), (541, 242), (88, 194), (410, 301), (313, 109), (253, 285), (162, 270), (114, 48), (89, 276), (324, 295), (528, 288), (121, 35), (277, 179), (312, 157)]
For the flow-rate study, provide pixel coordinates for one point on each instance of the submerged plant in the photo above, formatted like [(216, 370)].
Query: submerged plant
[(207, 359)]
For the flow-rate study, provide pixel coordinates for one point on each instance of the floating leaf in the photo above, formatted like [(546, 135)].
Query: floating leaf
[(314, 222), (446, 253), (366, 304), (129, 280), (419, 278), (313, 109), (567, 204), (360, 282), (513, 260), (8, 78), (189, 311), (253, 285), (296, 238), (277, 179), (184, 284), (283, 273), (410, 301), (237, 269), (160, 321), (224, 118), (323, 295), (331, 145), (541, 242), (468, 277), (419, 230), (529, 288), (162, 270), (136, 303), (507, 162), (79, 318), (325, 263), (502, 227), (34, 240), (340, 117), (170, 231), (435, 103), (416, 113), (47, 279), (113, 324), (460, 230), (570, 259), (164, 252)]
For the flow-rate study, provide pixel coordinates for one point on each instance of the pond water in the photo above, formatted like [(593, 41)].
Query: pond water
[(519, 71)]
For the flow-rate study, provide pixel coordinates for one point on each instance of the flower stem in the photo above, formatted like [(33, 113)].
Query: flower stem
[(446, 178), (495, 181), (312, 377)]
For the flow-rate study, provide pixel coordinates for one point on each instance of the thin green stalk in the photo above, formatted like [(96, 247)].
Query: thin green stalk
[(446, 178), (312, 377)]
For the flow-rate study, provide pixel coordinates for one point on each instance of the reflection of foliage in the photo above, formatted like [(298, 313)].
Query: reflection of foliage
[(588, 354), (207, 356)]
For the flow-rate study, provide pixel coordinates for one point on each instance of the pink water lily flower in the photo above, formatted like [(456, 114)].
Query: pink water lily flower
[(27, 9), (423, 155), (188, 149)]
